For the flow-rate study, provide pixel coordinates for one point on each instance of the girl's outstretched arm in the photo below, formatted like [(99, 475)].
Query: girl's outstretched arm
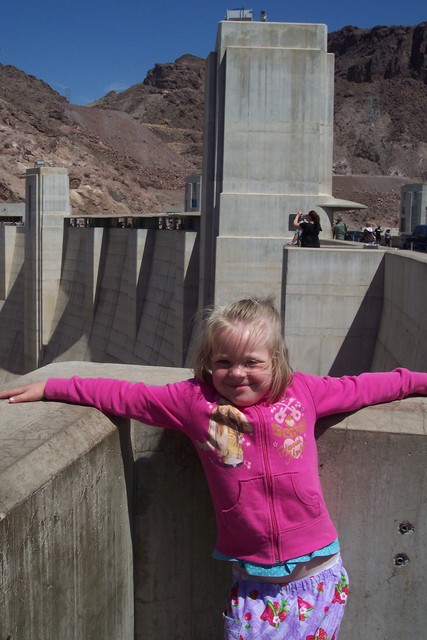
[(27, 393)]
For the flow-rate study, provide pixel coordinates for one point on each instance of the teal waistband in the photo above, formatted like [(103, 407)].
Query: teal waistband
[(283, 568)]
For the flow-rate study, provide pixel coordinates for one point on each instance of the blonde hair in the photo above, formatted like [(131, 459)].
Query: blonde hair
[(261, 317)]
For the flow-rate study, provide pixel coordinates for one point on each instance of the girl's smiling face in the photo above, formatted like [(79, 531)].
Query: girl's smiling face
[(241, 367)]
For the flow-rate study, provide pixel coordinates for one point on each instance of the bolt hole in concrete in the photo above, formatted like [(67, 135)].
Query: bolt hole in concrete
[(401, 559), (406, 527)]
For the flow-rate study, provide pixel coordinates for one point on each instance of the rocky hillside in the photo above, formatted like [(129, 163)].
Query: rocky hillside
[(381, 100), (170, 102), (116, 164), (130, 151)]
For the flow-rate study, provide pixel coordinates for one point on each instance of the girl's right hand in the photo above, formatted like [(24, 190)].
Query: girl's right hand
[(26, 393)]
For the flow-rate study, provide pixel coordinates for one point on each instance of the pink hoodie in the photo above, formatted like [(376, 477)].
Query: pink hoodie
[(260, 461)]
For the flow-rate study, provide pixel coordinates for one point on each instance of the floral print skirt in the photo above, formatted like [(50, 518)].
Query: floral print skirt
[(308, 609)]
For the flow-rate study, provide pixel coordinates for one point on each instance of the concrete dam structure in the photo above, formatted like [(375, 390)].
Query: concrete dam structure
[(128, 294), (106, 525)]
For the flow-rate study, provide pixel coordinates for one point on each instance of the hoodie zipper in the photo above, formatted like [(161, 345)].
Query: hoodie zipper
[(269, 484)]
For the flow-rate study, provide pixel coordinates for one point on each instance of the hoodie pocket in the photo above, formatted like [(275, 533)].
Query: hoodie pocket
[(265, 507), (295, 503), (245, 526)]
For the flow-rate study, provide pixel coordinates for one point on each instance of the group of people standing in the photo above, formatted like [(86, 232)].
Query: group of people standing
[(374, 236), (308, 229)]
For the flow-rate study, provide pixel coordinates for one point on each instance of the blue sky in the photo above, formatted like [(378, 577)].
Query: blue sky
[(85, 48)]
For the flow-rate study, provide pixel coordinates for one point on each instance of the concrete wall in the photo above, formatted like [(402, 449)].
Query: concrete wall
[(47, 198), (373, 469), (413, 206), (87, 502), (86, 505), (129, 295), (344, 310), (248, 266), (332, 305), (122, 295), (97, 293), (402, 334), (268, 136), (348, 311), (65, 534), (12, 280)]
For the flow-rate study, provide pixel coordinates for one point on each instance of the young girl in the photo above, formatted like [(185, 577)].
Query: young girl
[(252, 421)]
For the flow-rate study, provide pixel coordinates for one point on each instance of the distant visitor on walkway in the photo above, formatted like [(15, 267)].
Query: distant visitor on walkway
[(310, 228)]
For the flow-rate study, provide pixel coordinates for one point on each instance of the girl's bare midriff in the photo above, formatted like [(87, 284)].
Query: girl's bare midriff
[(302, 570)]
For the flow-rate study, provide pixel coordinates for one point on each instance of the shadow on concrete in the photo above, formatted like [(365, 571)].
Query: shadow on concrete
[(144, 275), (324, 424), (70, 318), (12, 355), (357, 341), (357, 350), (191, 297), (175, 529)]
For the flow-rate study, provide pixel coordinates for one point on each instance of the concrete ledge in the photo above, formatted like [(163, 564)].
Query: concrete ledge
[(375, 483), (40, 439), (65, 528)]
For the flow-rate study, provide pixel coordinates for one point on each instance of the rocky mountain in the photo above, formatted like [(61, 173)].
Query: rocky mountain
[(170, 101), (130, 151), (116, 164), (380, 100)]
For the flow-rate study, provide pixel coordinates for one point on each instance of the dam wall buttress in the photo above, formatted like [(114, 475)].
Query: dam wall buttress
[(12, 281), (126, 295), (129, 295)]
